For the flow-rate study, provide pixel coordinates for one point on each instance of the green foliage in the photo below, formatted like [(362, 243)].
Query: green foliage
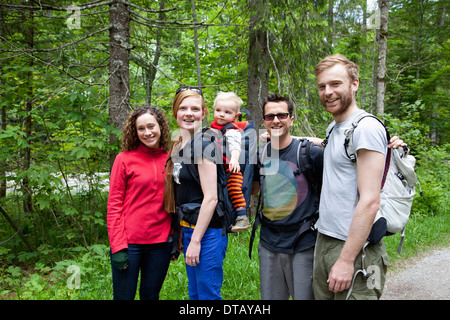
[(54, 103), (434, 175), (241, 275), (50, 280), (408, 125)]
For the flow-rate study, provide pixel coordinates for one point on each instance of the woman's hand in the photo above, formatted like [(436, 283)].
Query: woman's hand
[(193, 253)]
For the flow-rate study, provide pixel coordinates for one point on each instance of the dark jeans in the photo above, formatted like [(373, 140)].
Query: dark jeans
[(153, 261)]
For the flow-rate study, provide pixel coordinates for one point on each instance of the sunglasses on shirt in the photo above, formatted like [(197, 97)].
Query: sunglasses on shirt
[(280, 116), (196, 89)]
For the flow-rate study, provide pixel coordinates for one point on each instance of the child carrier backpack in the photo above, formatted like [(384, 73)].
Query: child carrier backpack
[(314, 180), (397, 187), (247, 161)]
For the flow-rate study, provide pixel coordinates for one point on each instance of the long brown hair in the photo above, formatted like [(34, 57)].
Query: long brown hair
[(130, 139), (169, 188)]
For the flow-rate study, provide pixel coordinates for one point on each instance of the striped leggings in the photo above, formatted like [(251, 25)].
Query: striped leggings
[(234, 185)]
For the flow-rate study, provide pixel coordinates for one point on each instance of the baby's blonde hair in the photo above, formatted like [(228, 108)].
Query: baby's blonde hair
[(226, 96)]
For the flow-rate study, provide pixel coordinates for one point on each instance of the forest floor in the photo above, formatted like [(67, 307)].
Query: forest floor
[(423, 277)]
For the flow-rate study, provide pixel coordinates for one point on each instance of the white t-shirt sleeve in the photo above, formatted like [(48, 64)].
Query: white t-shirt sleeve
[(233, 137)]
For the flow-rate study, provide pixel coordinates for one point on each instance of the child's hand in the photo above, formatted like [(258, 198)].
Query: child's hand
[(234, 166)]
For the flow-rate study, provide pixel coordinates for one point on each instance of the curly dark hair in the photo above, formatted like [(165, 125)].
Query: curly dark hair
[(130, 139)]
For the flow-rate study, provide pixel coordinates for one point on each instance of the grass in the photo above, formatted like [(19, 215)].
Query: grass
[(422, 234), (241, 275)]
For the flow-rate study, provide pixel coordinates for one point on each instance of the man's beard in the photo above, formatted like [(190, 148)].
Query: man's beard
[(346, 100)]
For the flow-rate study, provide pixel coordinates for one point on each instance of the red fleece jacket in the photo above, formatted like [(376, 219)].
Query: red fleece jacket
[(136, 213)]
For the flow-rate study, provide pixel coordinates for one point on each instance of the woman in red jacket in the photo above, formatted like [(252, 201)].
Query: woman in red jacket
[(139, 228)]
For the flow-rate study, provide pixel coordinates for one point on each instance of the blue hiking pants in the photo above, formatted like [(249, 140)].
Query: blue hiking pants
[(205, 279)]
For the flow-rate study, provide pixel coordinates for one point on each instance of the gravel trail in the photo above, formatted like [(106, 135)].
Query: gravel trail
[(426, 277)]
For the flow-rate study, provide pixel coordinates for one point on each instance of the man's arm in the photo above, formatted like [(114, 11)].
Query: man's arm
[(369, 167), (317, 141), (394, 143)]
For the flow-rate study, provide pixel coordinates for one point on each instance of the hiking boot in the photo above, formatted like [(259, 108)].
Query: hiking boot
[(242, 223)]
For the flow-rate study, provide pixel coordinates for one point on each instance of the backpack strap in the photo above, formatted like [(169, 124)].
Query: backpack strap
[(259, 207), (256, 224), (305, 166), (249, 115), (303, 159), (325, 141), (259, 217), (229, 125), (350, 149)]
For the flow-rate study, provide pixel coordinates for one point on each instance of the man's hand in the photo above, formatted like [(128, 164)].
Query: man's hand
[(396, 142), (340, 277)]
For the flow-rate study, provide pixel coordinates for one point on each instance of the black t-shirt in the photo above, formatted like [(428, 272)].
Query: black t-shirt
[(187, 184), (288, 200)]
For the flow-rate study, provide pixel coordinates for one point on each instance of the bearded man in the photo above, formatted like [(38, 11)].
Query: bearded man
[(350, 195)]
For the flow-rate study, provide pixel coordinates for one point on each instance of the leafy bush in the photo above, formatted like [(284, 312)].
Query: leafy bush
[(433, 172), (85, 275)]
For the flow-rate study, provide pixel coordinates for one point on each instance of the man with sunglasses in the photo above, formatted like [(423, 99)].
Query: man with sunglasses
[(289, 207)]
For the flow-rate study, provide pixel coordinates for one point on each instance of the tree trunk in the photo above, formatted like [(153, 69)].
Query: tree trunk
[(418, 39), (382, 50), (258, 64), (150, 70), (197, 58), (3, 165), (27, 194), (331, 25), (119, 81), (3, 185), (16, 229)]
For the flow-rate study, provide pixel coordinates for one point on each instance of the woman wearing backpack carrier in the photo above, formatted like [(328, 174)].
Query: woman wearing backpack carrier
[(190, 174)]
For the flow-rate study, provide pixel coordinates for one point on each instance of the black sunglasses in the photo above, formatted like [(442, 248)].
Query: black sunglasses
[(196, 89), (280, 116)]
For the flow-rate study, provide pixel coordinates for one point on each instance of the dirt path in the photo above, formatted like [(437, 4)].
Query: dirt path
[(426, 277)]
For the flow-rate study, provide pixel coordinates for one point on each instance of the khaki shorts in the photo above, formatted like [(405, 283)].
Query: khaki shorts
[(327, 252)]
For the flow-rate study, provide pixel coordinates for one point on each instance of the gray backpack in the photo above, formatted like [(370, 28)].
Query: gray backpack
[(397, 188)]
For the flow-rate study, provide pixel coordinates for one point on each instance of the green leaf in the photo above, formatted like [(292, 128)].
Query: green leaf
[(80, 152), (43, 203)]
